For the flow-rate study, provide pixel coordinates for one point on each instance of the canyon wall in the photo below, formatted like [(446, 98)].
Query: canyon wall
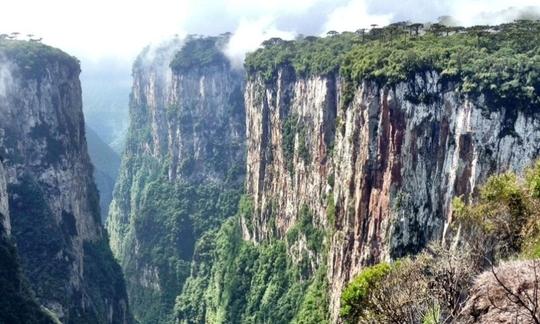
[(386, 164), (53, 201), (183, 169)]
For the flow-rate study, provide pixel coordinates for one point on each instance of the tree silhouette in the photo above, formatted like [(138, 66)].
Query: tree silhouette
[(332, 33), (362, 33), (416, 28)]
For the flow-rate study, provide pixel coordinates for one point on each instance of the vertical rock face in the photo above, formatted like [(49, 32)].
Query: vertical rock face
[(290, 133), (182, 171), (53, 200), (17, 304), (387, 164), (4, 207)]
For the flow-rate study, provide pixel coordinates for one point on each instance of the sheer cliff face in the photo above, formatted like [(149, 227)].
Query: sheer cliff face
[(391, 162), (184, 156), (4, 207), (17, 304), (52, 197)]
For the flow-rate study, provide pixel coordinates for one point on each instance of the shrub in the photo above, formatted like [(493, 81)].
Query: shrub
[(355, 299)]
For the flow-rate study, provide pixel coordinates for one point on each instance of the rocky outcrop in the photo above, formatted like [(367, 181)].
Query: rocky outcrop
[(182, 170), (388, 163), (504, 294), (53, 200)]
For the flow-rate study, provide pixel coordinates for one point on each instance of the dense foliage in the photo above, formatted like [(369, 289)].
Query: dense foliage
[(235, 281), (502, 62), (170, 219), (294, 133), (354, 298), (199, 52), (17, 305), (39, 240), (33, 58), (105, 280)]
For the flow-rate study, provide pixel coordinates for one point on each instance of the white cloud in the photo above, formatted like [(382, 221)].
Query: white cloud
[(95, 28), (354, 15), (492, 12), (249, 35)]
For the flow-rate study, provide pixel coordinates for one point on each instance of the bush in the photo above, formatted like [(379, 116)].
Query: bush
[(355, 299), (504, 219)]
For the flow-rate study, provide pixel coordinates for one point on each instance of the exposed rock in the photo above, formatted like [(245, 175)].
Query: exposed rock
[(508, 293), (392, 165), (4, 207), (53, 200)]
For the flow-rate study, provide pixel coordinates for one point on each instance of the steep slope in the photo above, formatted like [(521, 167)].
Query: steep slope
[(106, 166), (182, 170), (356, 147), (53, 200), (17, 304)]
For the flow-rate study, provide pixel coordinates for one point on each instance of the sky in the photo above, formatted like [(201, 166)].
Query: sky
[(119, 29)]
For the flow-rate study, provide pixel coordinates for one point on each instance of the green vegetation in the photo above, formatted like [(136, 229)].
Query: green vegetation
[(239, 282), (171, 217), (17, 305), (354, 298), (33, 58), (331, 209), (315, 302), (501, 62), (294, 126), (505, 217), (304, 226), (105, 279), (200, 52), (39, 240)]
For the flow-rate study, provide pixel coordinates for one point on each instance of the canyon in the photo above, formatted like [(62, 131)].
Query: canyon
[(338, 176), (254, 194)]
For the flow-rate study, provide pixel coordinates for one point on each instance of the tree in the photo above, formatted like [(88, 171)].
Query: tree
[(478, 31), (274, 41), (436, 29), (332, 33), (416, 28), (362, 33)]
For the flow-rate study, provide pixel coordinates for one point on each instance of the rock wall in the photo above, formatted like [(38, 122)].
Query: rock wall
[(388, 163), (53, 200), (181, 174), (4, 207)]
